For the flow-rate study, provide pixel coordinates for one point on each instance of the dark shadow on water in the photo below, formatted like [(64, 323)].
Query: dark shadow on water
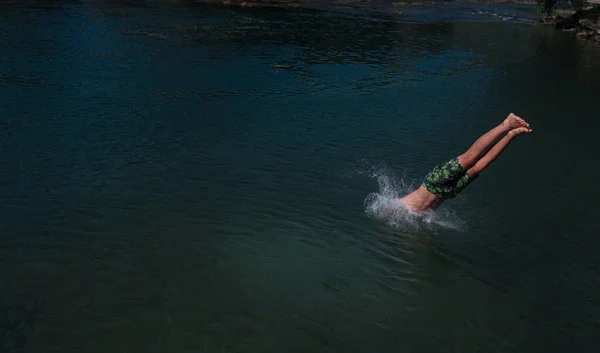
[(17, 318)]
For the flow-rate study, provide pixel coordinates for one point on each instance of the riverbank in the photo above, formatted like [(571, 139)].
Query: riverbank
[(585, 23)]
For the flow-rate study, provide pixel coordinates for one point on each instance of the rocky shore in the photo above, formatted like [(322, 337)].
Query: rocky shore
[(585, 23)]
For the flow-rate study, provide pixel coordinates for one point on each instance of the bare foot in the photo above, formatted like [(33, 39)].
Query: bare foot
[(519, 131), (514, 122)]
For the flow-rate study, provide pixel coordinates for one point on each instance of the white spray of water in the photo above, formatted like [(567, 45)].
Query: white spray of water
[(385, 205)]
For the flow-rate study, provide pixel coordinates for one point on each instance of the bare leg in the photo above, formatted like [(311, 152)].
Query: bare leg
[(495, 151), (421, 199), (489, 139)]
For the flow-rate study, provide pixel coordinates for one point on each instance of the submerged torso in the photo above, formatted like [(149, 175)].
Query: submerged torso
[(421, 200)]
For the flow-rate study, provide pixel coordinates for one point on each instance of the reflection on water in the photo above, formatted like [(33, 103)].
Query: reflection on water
[(191, 177)]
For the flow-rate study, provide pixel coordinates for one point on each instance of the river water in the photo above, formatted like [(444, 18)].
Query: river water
[(200, 178)]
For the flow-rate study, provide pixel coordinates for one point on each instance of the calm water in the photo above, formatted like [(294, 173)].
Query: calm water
[(198, 179)]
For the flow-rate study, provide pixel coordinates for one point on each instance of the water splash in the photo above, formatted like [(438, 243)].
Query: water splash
[(385, 206)]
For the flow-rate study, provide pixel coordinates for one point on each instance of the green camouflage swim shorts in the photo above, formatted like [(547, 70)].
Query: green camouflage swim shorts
[(447, 179)]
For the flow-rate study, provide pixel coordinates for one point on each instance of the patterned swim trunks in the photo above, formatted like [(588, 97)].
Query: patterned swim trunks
[(447, 179)]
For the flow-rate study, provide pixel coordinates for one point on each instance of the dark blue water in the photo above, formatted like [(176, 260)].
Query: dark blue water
[(179, 178)]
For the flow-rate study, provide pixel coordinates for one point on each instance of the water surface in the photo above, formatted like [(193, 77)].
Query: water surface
[(181, 178)]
